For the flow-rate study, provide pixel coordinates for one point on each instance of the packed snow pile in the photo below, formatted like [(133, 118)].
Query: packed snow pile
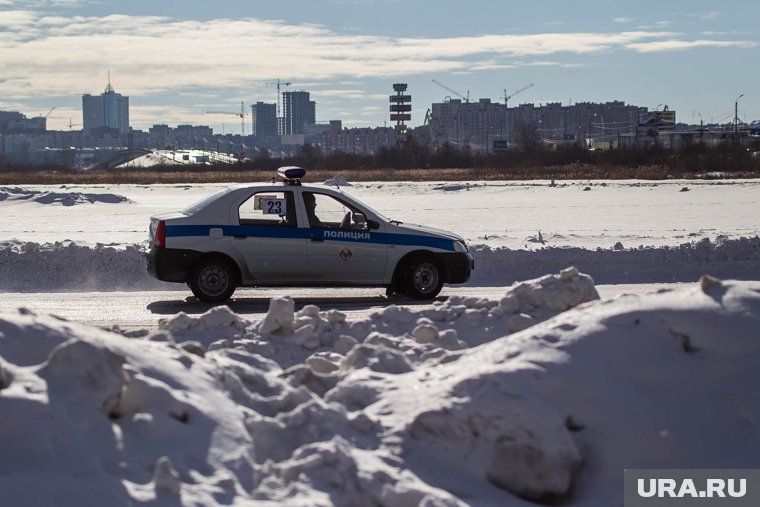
[(62, 198), (443, 406), (67, 266), (403, 336), (337, 181), (723, 257)]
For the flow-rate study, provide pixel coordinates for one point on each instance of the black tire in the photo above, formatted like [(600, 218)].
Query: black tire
[(212, 280), (422, 277)]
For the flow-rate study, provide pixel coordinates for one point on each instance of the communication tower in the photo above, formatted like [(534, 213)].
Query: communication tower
[(400, 108)]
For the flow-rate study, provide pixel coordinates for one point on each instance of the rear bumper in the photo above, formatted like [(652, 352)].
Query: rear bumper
[(170, 264), (459, 266)]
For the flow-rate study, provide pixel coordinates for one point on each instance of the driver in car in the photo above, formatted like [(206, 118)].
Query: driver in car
[(311, 205)]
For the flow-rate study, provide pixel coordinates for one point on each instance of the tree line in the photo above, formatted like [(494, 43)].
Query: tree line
[(531, 159), (693, 158)]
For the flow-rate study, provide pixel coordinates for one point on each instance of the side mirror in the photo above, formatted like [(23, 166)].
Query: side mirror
[(372, 225)]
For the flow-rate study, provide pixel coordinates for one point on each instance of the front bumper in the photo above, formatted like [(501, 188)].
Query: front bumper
[(459, 266), (170, 264)]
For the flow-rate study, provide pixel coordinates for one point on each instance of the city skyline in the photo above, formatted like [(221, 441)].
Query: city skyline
[(178, 60)]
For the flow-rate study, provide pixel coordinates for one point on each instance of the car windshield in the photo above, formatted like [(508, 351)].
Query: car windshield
[(364, 206), (195, 208)]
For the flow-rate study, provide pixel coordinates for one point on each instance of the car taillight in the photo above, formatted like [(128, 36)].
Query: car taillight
[(160, 239)]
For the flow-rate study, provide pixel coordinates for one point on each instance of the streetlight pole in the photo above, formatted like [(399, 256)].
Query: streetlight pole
[(736, 118)]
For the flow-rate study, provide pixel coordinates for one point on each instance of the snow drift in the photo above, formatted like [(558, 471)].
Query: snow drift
[(67, 266), (62, 198), (544, 396)]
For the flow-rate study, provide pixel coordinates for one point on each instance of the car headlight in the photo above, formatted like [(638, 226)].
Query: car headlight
[(460, 246)]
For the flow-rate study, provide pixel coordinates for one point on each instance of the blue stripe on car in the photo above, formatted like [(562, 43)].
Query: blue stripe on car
[(382, 238)]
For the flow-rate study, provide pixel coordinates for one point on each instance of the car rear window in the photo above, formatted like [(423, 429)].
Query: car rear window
[(268, 208), (195, 208)]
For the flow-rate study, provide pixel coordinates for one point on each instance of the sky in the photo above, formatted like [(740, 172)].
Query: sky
[(177, 60)]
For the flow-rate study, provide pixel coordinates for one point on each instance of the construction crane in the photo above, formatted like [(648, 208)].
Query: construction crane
[(44, 117), (241, 114), (278, 83), (426, 123), (466, 99), (507, 97), (72, 125)]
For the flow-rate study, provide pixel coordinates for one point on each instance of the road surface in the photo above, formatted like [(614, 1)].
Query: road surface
[(143, 310)]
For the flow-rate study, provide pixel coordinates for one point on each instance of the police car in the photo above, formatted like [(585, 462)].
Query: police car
[(284, 234)]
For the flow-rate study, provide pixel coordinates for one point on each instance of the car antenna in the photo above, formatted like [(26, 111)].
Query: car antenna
[(333, 181)]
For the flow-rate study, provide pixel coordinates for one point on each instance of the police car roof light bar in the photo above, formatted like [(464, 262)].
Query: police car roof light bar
[(292, 174)]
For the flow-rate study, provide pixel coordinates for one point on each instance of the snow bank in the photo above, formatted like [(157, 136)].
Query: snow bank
[(66, 266), (69, 266), (440, 406), (722, 257), (63, 198), (403, 337), (337, 181)]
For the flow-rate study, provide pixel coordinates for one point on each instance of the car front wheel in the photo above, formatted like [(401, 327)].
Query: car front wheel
[(424, 278), (212, 281)]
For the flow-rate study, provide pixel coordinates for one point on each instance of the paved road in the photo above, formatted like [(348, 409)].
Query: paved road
[(143, 310)]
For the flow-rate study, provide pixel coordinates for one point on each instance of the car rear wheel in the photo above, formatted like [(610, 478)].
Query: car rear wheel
[(212, 281), (423, 278)]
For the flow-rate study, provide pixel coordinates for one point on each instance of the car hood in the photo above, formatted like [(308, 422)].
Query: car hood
[(405, 228)]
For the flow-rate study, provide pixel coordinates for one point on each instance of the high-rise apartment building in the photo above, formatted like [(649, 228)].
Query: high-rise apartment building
[(298, 112), (109, 110), (12, 122), (264, 119), (481, 125)]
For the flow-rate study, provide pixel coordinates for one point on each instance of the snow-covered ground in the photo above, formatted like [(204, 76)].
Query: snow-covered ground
[(543, 396), (596, 214), (67, 238)]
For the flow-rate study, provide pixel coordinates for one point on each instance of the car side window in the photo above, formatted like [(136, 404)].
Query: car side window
[(268, 208), (326, 211)]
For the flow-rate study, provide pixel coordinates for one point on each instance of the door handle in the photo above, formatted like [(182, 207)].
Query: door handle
[(318, 240), (239, 236)]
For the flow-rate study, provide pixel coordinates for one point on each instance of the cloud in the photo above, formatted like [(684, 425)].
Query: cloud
[(211, 53), (706, 16), (9, 20), (679, 45), (47, 3), (149, 55), (228, 60)]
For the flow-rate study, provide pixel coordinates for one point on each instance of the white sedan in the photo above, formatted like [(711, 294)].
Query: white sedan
[(288, 234)]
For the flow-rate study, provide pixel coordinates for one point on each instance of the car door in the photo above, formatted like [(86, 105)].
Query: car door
[(269, 240), (341, 248)]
